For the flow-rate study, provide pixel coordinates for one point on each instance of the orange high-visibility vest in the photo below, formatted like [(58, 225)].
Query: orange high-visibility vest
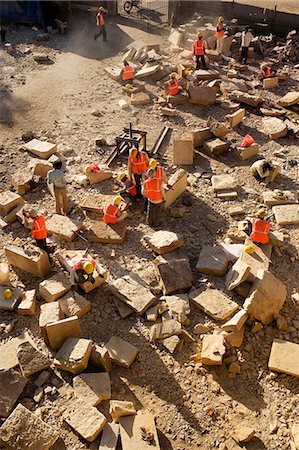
[(198, 47), (159, 172), (128, 73), (132, 190), (139, 164), (260, 230), (39, 231), (220, 31), (110, 213), (173, 87), (79, 265), (267, 72), (152, 189), (100, 19)]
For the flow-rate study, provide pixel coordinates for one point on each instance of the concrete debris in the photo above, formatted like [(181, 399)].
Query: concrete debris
[(74, 355), (93, 388), (214, 303), (164, 241), (121, 352), (120, 409), (284, 357), (12, 385)]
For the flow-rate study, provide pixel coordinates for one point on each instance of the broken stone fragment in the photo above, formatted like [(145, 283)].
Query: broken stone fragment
[(100, 357), (59, 331), (9, 304), (236, 322), (201, 95), (12, 385), (237, 274), (164, 241), (74, 304), (135, 429), (275, 128), (93, 388), (49, 312), (233, 339), (31, 360), (27, 307), (291, 98), (165, 329), (218, 129), (74, 355), (171, 343), (212, 261), (178, 306), (286, 214), (121, 352), (120, 409), (212, 350), (284, 357), (174, 273)]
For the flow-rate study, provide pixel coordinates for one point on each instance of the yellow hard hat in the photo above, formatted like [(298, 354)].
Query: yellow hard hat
[(7, 294), (117, 200), (173, 75), (88, 267), (199, 34), (261, 213), (249, 249), (152, 163), (87, 169), (221, 19), (121, 176)]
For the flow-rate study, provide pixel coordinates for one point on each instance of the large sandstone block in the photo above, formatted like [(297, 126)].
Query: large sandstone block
[(236, 118), (27, 307), (23, 429), (247, 152), (8, 351), (132, 292), (259, 260), (86, 420), (9, 201), (275, 128), (55, 287), (40, 167), (165, 329), (74, 304), (212, 261), (216, 146), (62, 227), (200, 136), (201, 95), (74, 355), (42, 149), (212, 349), (93, 388), (11, 303), (121, 352), (95, 203), (291, 98), (218, 129), (267, 297), (164, 241), (97, 177), (233, 85), (132, 434), (284, 357), (106, 233), (22, 181), (31, 360), (214, 303), (12, 385), (177, 184), (286, 214), (233, 339), (273, 198), (147, 71), (223, 182), (32, 260), (247, 99), (174, 273), (182, 152), (210, 74), (59, 331), (49, 312), (140, 98), (270, 83), (176, 38)]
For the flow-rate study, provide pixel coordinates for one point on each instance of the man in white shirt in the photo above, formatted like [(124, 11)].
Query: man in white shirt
[(247, 37)]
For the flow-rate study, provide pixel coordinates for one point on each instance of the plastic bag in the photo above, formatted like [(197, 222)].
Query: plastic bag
[(247, 141)]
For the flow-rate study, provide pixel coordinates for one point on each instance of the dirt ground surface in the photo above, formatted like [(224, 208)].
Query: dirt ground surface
[(56, 102)]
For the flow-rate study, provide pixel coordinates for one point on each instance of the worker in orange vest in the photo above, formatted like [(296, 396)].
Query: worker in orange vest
[(37, 224), (199, 50), (83, 271), (154, 192), (100, 20), (160, 173), (127, 73), (112, 211), (137, 167), (220, 34), (259, 228), (267, 70), (128, 187), (173, 85)]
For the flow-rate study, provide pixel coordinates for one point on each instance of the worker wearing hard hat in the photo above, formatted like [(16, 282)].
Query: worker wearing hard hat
[(172, 84), (37, 224), (154, 192), (267, 70), (259, 227), (112, 211), (82, 271), (127, 73), (137, 167), (261, 169), (198, 51), (220, 34), (100, 20), (160, 173), (128, 186)]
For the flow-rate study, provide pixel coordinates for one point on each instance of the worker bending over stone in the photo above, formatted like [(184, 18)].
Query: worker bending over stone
[(35, 222), (127, 189), (112, 211), (261, 169), (267, 70), (82, 271), (259, 227), (127, 73)]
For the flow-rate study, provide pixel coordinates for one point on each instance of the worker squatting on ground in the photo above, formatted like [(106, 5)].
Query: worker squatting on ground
[(100, 21), (127, 189), (261, 169), (154, 192), (172, 85), (220, 34), (56, 177), (37, 224), (160, 175), (82, 271), (259, 228), (267, 70), (127, 73), (247, 37), (199, 50), (137, 167), (112, 211)]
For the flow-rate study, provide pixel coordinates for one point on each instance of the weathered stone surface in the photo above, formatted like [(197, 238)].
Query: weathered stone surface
[(212, 261), (270, 83), (33, 260), (55, 287), (247, 152), (182, 152), (42, 378), (174, 273), (267, 297), (133, 293), (23, 429), (233, 339), (49, 312), (236, 117), (121, 352), (291, 98), (140, 98), (212, 349), (247, 99), (214, 303), (201, 95), (113, 72), (22, 181), (4, 273), (9, 201), (147, 72), (123, 309), (176, 38), (244, 433), (106, 233), (62, 227), (13, 215), (231, 444), (218, 129), (103, 174), (275, 128), (40, 167), (42, 149), (11, 303), (177, 184), (259, 260), (152, 313), (223, 182), (74, 355), (93, 388), (235, 210), (278, 197), (284, 357), (169, 112), (27, 307), (84, 419), (238, 273), (272, 112), (74, 304), (236, 322), (200, 136), (12, 385), (295, 434), (100, 358), (178, 306), (233, 85), (59, 331), (120, 409), (131, 432), (200, 328), (165, 329), (211, 74), (109, 437), (286, 214), (171, 343), (31, 360), (8, 356), (164, 241), (216, 146)]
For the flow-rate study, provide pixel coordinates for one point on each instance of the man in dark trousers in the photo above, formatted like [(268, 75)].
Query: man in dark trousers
[(101, 23)]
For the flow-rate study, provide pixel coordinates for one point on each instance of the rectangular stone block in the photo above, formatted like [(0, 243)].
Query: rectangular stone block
[(9, 201), (32, 260), (55, 287), (270, 83), (97, 177), (40, 167), (165, 329), (59, 331), (223, 182), (174, 274), (177, 185), (284, 357), (121, 352), (8, 355), (92, 388), (42, 149), (120, 409), (236, 322), (214, 303), (9, 304), (74, 305), (113, 72), (106, 233), (132, 435), (12, 216), (4, 273), (216, 147), (100, 357), (212, 348), (62, 227), (247, 152), (200, 136), (182, 152), (212, 261), (49, 312), (31, 361), (147, 71), (27, 307), (162, 242), (286, 214), (22, 181), (74, 355), (273, 198), (236, 118)]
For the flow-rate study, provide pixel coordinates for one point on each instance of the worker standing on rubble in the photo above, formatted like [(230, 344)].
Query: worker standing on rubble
[(128, 187), (172, 85), (154, 192), (220, 34), (112, 211), (56, 177), (261, 169), (198, 51), (137, 167), (247, 37), (37, 224), (100, 20), (267, 70), (259, 227), (127, 73)]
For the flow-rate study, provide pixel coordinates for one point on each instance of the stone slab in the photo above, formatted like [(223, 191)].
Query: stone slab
[(270, 83), (247, 99), (27, 307), (42, 149), (286, 214), (211, 351), (260, 259), (109, 437), (236, 118), (200, 136), (40, 167), (97, 177), (212, 261), (11, 303), (74, 355), (55, 287), (177, 184), (247, 152), (93, 388), (236, 322), (123, 309), (12, 385), (216, 146), (8, 201), (291, 98), (284, 357), (74, 304), (22, 181), (273, 198), (162, 242), (49, 312), (174, 273), (96, 202), (106, 233), (32, 260), (4, 273), (201, 95), (238, 273), (8, 355), (223, 182), (62, 227), (182, 152), (214, 303), (121, 352), (295, 434), (31, 361), (275, 128), (147, 71), (100, 358), (178, 306), (59, 331), (165, 329), (131, 432)]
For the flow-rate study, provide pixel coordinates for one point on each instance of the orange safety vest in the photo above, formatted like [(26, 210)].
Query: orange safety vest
[(260, 230), (110, 213), (159, 173), (173, 87), (128, 73), (152, 189), (139, 164), (79, 265), (100, 19), (132, 190), (267, 72), (39, 231), (198, 47), (220, 31)]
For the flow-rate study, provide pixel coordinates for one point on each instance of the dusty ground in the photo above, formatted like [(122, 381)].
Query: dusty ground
[(56, 101)]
